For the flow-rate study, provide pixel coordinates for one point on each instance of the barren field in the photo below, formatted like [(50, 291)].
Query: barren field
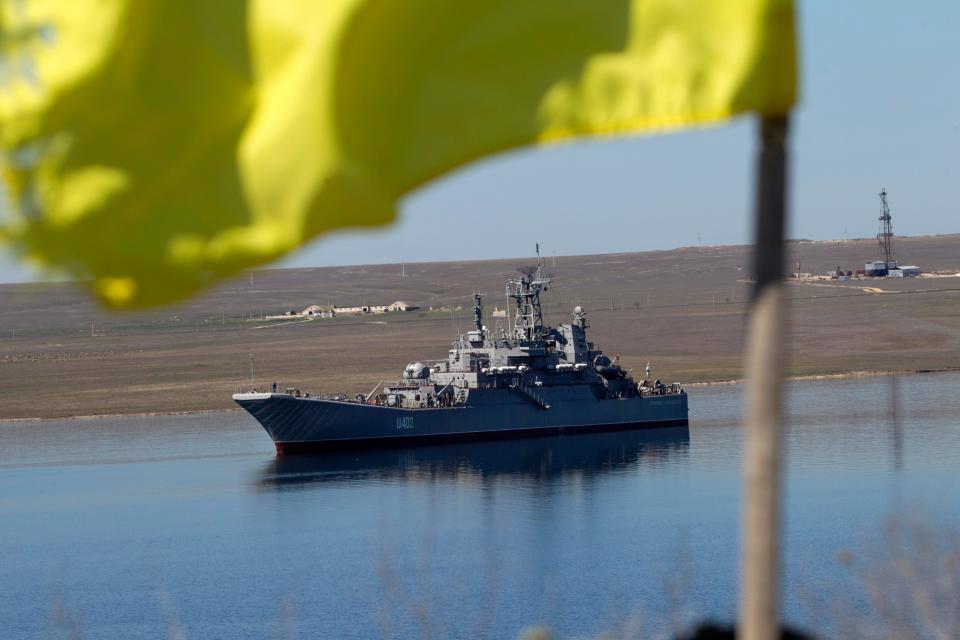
[(680, 310)]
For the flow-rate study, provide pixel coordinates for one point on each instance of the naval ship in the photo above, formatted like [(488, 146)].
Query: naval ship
[(526, 381)]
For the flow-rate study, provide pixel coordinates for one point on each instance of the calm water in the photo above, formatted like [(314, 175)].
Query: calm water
[(144, 527)]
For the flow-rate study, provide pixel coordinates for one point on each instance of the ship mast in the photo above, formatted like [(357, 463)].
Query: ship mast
[(525, 291), (478, 312)]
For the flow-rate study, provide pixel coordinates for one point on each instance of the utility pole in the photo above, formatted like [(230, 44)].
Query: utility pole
[(251, 368)]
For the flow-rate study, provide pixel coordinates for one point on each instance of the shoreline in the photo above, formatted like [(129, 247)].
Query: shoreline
[(877, 373), (138, 414), (691, 385)]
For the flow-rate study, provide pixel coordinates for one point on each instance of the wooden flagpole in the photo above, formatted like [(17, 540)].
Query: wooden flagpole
[(766, 356)]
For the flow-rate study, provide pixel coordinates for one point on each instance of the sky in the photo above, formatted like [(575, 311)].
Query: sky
[(879, 108)]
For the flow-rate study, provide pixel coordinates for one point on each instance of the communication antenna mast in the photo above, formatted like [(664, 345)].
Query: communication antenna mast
[(525, 292), (478, 311), (885, 235)]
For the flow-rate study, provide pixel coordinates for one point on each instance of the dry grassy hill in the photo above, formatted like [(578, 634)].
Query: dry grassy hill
[(681, 310)]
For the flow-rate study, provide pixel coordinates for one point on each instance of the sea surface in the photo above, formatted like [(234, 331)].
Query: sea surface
[(189, 527)]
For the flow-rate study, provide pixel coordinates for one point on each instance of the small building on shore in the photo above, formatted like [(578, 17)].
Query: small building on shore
[(331, 311), (318, 311), (906, 271), (878, 268), (351, 311)]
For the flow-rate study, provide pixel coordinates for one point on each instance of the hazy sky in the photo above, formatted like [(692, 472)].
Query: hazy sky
[(880, 107)]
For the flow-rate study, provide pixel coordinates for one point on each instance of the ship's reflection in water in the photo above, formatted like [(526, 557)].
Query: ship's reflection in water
[(538, 460)]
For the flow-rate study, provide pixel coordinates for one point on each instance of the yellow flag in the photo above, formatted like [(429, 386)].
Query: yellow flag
[(152, 147)]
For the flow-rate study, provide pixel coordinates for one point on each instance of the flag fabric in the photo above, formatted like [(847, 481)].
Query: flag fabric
[(154, 147)]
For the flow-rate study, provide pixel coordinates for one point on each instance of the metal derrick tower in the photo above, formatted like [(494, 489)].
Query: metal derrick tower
[(885, 235)]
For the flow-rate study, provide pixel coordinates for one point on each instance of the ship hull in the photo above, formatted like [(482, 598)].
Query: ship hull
[(299, 425)]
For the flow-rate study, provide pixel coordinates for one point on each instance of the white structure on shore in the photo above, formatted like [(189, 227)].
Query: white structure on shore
[(399, 305), (331, 311)]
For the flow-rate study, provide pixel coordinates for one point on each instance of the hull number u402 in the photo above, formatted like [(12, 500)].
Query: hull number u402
[(405, 423)]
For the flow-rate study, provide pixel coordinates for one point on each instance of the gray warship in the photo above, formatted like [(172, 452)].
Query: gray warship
[(526, 381)]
